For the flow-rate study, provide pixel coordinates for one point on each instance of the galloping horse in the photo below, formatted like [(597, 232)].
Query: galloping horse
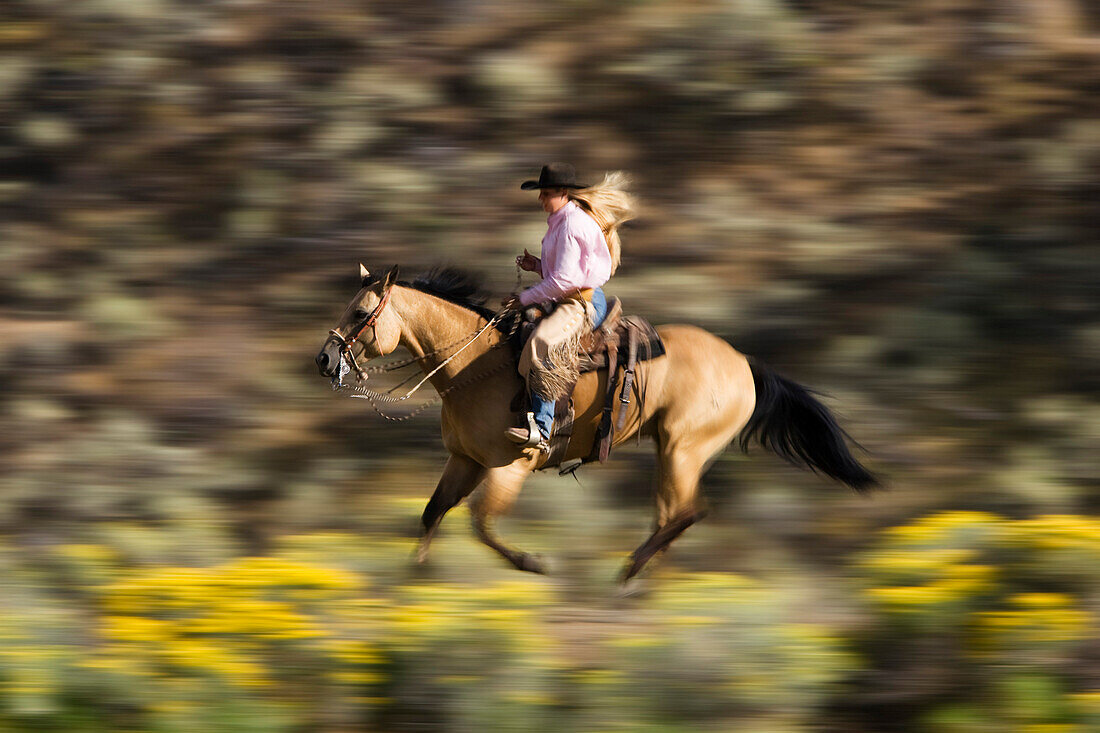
[(698, 397)]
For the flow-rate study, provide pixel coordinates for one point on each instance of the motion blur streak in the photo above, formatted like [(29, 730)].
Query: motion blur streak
[(892, 202)]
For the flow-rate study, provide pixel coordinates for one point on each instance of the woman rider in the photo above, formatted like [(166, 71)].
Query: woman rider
[(580, 252)]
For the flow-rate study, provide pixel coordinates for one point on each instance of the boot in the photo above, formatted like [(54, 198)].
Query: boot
[(528, 437)]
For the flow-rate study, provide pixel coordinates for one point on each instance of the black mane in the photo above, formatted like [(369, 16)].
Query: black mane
[(455, 285)]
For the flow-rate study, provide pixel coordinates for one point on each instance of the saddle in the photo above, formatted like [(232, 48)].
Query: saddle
[(617, 345)]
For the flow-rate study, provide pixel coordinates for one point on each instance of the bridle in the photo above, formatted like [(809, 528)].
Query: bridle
[(346, 355), (344, 345)]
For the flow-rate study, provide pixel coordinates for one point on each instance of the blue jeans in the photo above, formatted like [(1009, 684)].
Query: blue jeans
[(544, 409)]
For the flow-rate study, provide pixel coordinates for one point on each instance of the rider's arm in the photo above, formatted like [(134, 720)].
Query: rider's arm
[(561, 270)]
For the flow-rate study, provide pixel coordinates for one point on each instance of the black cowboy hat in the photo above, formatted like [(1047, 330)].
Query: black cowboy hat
[(554, 175)]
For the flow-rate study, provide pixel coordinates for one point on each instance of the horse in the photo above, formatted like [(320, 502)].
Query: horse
[(700, 396)]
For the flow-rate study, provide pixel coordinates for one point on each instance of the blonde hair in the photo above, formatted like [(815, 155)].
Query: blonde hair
[(610, 204)]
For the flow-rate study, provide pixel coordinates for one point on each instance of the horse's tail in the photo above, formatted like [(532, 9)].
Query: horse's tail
[(790, 422)]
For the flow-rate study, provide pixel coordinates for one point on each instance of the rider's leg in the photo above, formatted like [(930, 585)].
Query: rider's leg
[(542, 364), (599, 307), (543, 410)]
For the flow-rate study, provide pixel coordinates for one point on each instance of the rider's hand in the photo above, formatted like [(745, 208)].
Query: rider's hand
[(528, 261)]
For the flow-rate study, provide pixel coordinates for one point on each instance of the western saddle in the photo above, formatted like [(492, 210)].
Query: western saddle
[(617, 345)]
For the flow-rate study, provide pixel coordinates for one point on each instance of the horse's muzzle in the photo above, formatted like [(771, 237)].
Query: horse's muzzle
[(328, 359)]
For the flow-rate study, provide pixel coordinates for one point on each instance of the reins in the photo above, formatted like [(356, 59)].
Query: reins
[(347, 356), (374, 397), (389, 398)]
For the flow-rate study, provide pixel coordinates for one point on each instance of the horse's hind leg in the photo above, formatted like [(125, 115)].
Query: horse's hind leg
[(680, 464), (659, 541), (460, 476), (495, 497)]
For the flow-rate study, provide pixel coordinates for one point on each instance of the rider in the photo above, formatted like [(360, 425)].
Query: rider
[(580, 252)]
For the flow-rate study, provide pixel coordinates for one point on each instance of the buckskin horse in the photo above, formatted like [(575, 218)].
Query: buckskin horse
[(699, 397)]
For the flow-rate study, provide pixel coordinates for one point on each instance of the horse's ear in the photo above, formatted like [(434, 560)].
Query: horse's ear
[(391, 276), (364, 273)]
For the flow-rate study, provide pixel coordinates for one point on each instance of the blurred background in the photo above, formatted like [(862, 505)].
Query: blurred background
[(892, 202)]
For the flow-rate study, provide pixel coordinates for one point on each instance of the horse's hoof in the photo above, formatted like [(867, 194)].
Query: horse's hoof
[(423, 570), (632, 588), (531, 564), (423, 549), (631, 569)]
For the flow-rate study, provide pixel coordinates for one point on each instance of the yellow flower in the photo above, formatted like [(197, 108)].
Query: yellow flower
[(1087, 702), (599, 677)]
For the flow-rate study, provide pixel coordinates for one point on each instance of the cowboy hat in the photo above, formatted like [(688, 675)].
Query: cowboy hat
[(554, 175)]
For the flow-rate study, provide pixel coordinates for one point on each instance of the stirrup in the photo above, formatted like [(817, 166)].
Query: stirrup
[(534, 435), (528, 437)]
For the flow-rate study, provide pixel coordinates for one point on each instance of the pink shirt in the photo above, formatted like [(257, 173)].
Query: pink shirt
[(574, 256)]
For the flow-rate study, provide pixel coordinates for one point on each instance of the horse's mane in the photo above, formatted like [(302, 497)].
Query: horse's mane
[(452, 284), (455, 285)]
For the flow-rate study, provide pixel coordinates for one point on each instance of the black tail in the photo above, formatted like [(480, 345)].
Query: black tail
[(790, 422)]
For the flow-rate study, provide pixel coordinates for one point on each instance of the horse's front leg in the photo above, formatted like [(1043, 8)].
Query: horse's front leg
[(460, 476), (495, 497)]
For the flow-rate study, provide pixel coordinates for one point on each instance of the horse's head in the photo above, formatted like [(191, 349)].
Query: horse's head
[(368, 328)]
